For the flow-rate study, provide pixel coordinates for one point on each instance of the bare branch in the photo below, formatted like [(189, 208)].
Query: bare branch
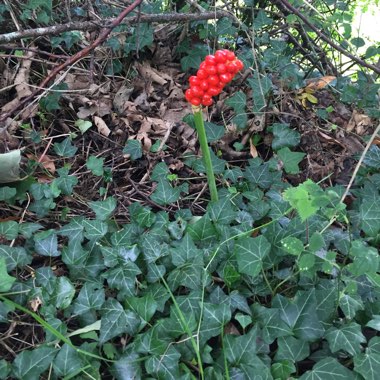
[(89, 25), (358, 60)]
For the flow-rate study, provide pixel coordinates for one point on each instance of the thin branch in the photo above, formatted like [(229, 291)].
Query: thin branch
[(71, 60), (358, 60), (90, 25)]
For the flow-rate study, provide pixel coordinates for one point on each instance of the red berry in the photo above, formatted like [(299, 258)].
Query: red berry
[(239, 64), (210, 59), (204, 85), (210, 69), (230, 55), (203, 65), (225, 78), (197, 91), (213, 91), (195, 101), (213, 80), (189, 94), (194, 81), (202, 74), (220, 56), (221, 68), (206, 100)]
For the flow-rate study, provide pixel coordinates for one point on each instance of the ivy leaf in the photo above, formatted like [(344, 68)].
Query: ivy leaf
[(214, 132), (214, 318), (165, 193), (368, 363), (95, 164), (7, 192), (144, 306), (6, 281), (292, 348), (370, 216), (184, 251), (65, 148), (299, 314), (134, 149), (328, 369), (103, 209), (127, 367), (90, 297), (94, 229), (259, 174), (46, 243), (67, 362), (83, 125), (30, 364), (350, 304), (290, 160), (115, 321), (283, 369), (237, 101), (9, 229), (165, 366), (224, 26), (372, 158), (14, 257), (284, 137), (65, 182), (222, 211), (262, 20), (346, 338), (250, 253)]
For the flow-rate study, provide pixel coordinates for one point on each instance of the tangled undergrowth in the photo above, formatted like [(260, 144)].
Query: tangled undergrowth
[(113, 261)]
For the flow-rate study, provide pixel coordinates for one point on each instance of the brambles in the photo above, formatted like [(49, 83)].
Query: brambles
[(214, 73)]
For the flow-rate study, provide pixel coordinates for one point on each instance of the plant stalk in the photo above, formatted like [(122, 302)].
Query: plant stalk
[(200, 126)]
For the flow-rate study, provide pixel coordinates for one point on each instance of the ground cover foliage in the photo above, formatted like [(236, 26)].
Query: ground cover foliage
[(114, 264)]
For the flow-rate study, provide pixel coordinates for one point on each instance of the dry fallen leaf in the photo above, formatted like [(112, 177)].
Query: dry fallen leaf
[(252, 149), (102, 126), (316, 84)]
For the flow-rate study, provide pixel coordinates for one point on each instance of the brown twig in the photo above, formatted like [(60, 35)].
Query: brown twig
[(89, 25), (328, 40), (76, 57)]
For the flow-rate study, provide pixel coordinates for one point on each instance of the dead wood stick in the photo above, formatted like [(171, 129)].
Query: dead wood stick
[(90, 25), (71, 60)]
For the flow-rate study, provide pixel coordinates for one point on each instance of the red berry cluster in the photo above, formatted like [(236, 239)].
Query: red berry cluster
[(214, 73)]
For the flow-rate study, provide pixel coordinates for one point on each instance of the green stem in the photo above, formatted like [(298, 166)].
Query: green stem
[(199, 124)]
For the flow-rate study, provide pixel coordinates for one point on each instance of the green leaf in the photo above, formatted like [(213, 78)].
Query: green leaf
[(290, 160), (270, 322), (94, 229), (95, 164), (123, 278), (134, 149), (374, 323), (164, 367), (191, 61), (358, 42), (50, 102), (6, 281), (292, 245), (46, 243), (165, 193), (30, 364), (284, 137), (7, 192), (224, 26), (14, 257), (350, 305), (188, 275), (83, 125), (368, 363), (144, 306), (262, 20), (259, 174), (299, 314), (67, 362), (370, 216), (222, 211), (9, 229), (328, 369), (64, 293), (202, 230), (65, 182), (127, 367), (290, 348), (365, 259), (346, 338), (241, 349), (237, 101), (214, 318), (306, 198), (65, 148), (91, 297), (214, 132), (250, 253), (116, 321), (184, 251), (5, 369), (103, 209), (283, 369)]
